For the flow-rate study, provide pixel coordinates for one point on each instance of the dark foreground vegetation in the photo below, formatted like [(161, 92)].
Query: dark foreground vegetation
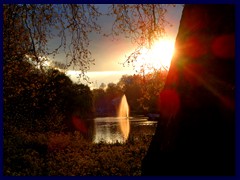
[(69, 154)]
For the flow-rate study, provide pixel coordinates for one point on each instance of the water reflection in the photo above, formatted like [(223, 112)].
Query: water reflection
[(107, 128)]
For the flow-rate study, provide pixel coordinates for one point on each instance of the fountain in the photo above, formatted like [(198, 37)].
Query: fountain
[(123, 116)]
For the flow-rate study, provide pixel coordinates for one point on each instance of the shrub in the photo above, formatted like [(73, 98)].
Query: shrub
[(70, 154)]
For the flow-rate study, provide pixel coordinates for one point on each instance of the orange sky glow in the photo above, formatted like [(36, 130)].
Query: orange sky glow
[(109, 54)]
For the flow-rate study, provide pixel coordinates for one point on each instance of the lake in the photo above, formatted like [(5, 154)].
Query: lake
[(107, 129)]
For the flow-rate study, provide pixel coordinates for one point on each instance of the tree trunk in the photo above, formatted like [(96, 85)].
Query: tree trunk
[(196, 132)]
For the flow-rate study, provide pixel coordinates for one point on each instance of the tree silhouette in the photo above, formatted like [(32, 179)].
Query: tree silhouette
[(28, 29), (195, 134)]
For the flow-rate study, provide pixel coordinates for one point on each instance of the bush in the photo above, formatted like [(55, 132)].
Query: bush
[(70, 154)]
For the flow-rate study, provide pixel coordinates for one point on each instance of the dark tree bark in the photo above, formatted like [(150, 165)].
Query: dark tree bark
[(196, 132)]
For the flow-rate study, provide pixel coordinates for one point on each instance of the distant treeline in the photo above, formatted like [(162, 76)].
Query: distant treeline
[(141, 91)]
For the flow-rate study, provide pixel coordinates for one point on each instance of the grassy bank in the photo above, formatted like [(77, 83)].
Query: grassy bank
[(69, 154)]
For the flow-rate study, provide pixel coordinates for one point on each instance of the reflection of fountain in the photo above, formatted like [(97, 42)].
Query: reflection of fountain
[(123, 115)]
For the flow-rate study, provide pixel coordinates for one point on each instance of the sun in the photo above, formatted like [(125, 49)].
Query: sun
[(159, 56), (163, 51)]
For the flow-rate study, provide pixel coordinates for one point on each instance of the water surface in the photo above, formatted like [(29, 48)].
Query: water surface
[(107, 129)]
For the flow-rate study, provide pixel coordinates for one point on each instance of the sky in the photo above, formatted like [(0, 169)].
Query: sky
[(109, 53)]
